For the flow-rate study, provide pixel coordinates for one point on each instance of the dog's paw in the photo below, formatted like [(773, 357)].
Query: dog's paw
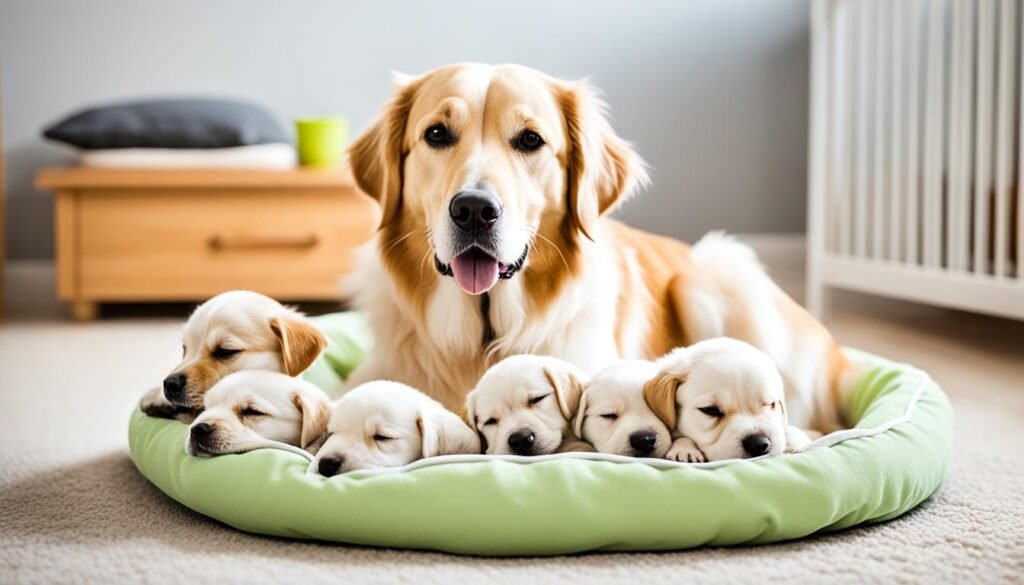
[(574, 445), (686, 451), (154, 404), (796, 439)]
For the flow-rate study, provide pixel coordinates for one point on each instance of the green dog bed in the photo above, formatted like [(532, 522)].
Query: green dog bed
[(896, 457)]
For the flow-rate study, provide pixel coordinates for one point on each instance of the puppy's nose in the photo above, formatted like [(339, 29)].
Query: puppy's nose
[(521, 441), (201, 431), (330, 466), (756, 445), (474, 211), (174, 387), (643, 442)]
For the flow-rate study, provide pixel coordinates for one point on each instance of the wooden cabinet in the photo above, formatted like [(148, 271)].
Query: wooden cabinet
[(182, 235)]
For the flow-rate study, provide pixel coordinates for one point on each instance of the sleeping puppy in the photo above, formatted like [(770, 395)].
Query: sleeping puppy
[(723, 399), (256, 409), (387, 424), (614, 417), (524, 405), (233, 331)]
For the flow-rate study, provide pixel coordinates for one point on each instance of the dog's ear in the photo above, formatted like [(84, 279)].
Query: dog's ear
[(581, 413), (315, 410), (301, 342), (444, 433), (660, 395), (376, 156), (568, 391), (602, 169), (468, 415)]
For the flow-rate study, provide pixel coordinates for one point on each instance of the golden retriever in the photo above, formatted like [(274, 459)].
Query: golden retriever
[(495, 184)]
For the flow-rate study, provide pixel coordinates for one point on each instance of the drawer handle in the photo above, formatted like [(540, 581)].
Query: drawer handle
[(305, 242)]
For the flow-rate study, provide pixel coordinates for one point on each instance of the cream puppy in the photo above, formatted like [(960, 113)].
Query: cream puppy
[(256, 409), (234, 331), (614, 417), (387, 424), (723, 399), (524, 405)]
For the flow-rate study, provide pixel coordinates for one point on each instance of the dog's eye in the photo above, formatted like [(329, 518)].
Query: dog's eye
[(773, 405), (382, 438), (610, 416), (712, 411), (537, 399), (528, 141), (491, 421), (223, 353), (250, 411), (438, 136)]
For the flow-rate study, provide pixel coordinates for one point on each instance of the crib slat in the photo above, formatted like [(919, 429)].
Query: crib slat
[(934, 135), (837, 177), (1004, 132), (983, 134), (880, 165), (914, 112), (1020, 161), (851, 56), (957, 214), (862, 189), (896, 174)]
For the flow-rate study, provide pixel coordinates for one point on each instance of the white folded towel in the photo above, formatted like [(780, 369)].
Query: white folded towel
[(257, 156)]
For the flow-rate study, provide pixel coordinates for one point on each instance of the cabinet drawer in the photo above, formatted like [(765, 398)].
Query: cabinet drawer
[(191, 244)]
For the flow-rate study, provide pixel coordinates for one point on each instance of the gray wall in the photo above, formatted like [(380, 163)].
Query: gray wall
[(713, 93)]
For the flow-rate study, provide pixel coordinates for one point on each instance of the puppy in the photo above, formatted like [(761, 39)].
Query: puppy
[(723, 399), (234, 331), (523, 405), (614, 417), (254, 409), (387, 424)]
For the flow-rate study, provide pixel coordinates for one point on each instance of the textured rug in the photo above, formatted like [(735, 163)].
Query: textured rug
[(73, 508)]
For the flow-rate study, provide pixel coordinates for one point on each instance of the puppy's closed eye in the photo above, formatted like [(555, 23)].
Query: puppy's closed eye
[(537, 399), (712, 411), (382, 438), (252, 412), (225, 353), (491, 421), (610, 416)]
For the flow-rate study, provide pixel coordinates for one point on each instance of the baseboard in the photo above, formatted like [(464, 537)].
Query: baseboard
[(30, 290)]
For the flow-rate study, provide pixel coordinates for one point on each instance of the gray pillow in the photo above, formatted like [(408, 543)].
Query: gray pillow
[(169, 123)]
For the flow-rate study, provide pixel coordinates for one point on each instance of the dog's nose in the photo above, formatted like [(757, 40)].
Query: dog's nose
[(643, 442), (474, 211), (521, 441), (330, 466), (174, 387), (201, 431), (756, 445)]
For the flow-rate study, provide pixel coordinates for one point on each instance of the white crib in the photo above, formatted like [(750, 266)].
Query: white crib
[(916, 153)]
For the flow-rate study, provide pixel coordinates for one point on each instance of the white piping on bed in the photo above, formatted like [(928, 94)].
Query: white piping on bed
[(826, 441)]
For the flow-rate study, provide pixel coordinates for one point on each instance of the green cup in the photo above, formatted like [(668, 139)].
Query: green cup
[(321, 141)]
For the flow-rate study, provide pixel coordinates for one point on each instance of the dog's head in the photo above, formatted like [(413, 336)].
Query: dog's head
[(246, 410), (725, 395), (523, 405), (470, 163), (388, 424), (240, 330), (614, 417)]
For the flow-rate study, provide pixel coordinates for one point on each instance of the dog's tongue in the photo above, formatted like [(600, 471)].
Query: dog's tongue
[(475, 272)]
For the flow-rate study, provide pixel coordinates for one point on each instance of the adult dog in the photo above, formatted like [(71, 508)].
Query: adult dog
[(494, 184)]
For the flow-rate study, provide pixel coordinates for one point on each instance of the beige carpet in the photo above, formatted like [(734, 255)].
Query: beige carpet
[(73, 508)]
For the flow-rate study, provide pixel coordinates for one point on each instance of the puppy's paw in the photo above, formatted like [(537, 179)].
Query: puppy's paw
[(796, 439), (153, 403), (574, 445), (686, 451)]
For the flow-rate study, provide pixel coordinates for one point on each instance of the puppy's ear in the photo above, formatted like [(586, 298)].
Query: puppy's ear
[(581, 413), (444, 433), (660, 395), (568, 391), (301, 342), (315, 410), (602, 169), (376, 156), (468, 415)]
